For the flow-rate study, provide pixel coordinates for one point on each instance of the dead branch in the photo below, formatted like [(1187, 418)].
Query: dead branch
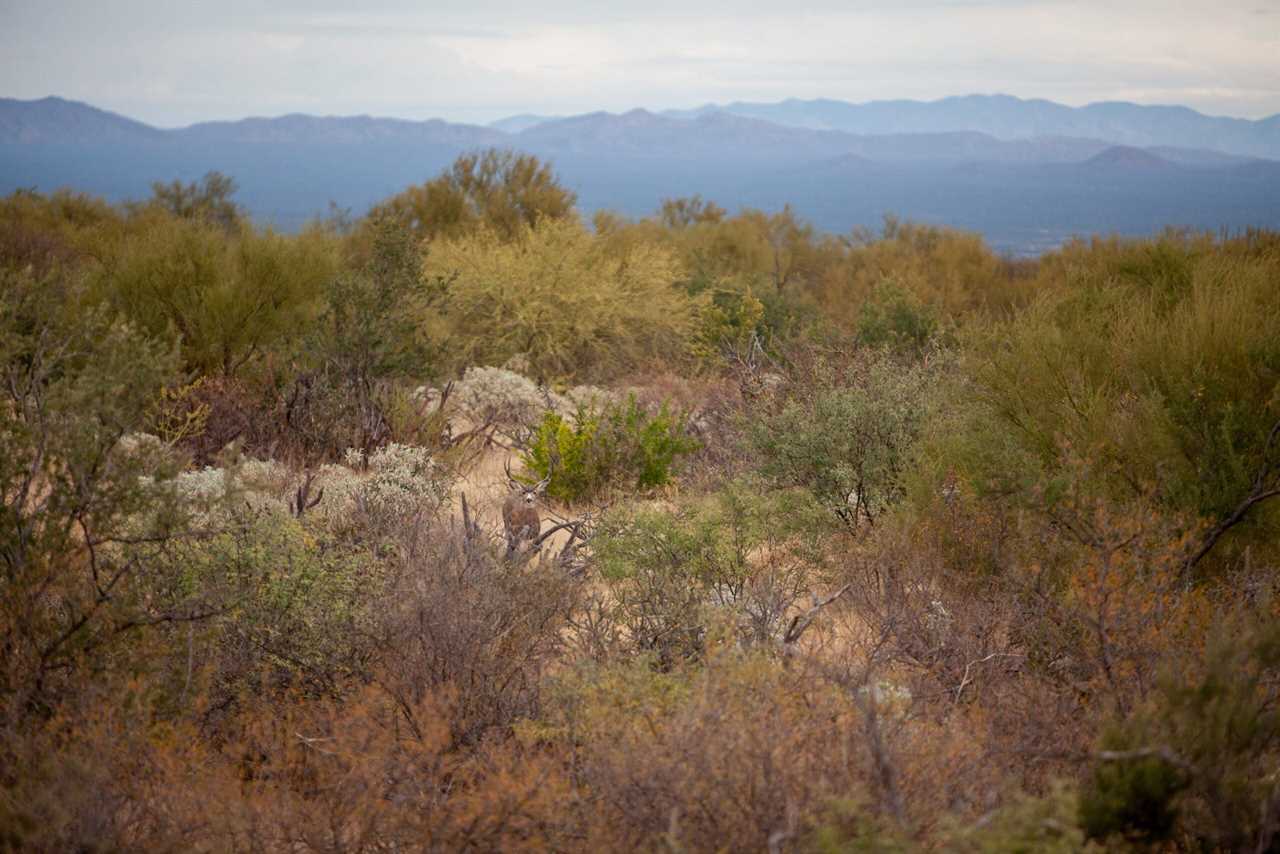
[(965, 680), (302, 501), (1266, 485), (801, 622)]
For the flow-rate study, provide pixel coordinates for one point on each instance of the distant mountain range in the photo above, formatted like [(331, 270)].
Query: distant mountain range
[(1007, 117), (1025, 173)]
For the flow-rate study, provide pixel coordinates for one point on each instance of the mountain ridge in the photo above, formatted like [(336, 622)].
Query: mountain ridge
[(1024, 195), (639, 131), (1009, 117)]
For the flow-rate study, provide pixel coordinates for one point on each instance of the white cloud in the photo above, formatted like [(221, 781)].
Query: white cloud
[(174, 62)]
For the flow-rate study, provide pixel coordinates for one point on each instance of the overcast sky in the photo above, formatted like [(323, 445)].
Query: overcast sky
[(173, 62)]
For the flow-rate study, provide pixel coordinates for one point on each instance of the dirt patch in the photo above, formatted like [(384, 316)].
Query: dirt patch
[(485, 485)]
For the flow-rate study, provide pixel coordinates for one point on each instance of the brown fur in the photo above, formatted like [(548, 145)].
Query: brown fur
[(520, 516)]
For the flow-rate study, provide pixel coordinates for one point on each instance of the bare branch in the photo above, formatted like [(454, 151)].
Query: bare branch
[(1262, 490)]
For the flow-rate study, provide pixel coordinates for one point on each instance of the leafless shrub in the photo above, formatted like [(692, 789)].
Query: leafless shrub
[(461, 616)]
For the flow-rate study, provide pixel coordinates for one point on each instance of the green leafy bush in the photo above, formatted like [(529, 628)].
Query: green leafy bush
[(367, 346), (894, 317), (498, 189), (1164, 362), (848, 435), (740, 557), (76, 384), (1198, 762), (226, 297), (619, 444)]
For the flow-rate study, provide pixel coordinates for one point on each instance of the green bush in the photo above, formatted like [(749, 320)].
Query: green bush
[(1044, 825), (293, 606), (894, 317), (1164, 364), (495, 188), (1132, 799), (226, 297), (77, 384), (848, 435), (366, 348), (1198, 762), (600, 448), (741, 557)]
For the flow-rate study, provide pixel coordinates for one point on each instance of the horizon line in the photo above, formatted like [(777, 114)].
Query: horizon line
[(709, 105)]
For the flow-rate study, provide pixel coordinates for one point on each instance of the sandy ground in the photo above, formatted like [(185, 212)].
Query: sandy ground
[(485, 485)]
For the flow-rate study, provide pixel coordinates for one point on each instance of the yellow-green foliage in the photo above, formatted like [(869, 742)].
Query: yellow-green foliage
[(1173, 379), (285, 597), (226, 298), (496, 189), (1044, 825), (556, 294), (208, 201), (618, 445), (823, 280), (1161, 360), (738, 559), (849, 436), (40, 231), (1199, 761), (952, 272)]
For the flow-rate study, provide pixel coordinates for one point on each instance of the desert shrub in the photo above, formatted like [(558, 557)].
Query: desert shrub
[(893, 317), (292, 610), (849, 435), (302, 775), (295, 575), (950, 274), (1132, 800), (208, 200), (1168, 370), (226, 298), (368, 772), (226, 410), (1047, 824), (737, 558), (369, 498), (619, 445), (1197, 763), (495, 189), (403, 488), (505, 397), (462, 619), (76, 383), (46, 232), (739, 755), (559, 297), (731, 321), (367, 342)]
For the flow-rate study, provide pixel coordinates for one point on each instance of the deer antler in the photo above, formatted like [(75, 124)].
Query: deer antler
[(511, 479)]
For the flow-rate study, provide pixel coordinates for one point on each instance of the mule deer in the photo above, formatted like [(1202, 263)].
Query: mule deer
[(520, 517)]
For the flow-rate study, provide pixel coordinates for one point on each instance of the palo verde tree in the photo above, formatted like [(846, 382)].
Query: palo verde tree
[(499, 189), (562, 297), (208, 200), (1162, 361), (226, 297)]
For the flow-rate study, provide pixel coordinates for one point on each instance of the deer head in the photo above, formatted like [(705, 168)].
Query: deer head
[(520, 515)]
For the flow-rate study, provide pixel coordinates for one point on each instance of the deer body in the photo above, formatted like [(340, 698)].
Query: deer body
[(520, 518)]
